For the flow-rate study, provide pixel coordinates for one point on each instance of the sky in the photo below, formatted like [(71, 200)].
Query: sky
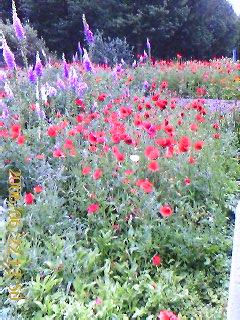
[(236, 5)]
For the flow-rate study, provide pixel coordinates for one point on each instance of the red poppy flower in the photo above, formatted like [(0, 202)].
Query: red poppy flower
[(184, 144), (191, 160), (52, 131), (161, 142), (79, 102), (15, 130), (93, 208), (216, 126), (145, 185), (161, 104), (164, 85), (187, 181), (86, 170), (72, 132), (152, 153), (125, 112), (4, 133), (58, 153), (129, 172), (194, 127), (180, 122), (153, 166), (156, 260), (198, 145), (201, 91), (20, 139), (216, 136), (102, 97), (169, 129), (68, 144), (119, 156), (29, 198), (38, 189), (97, 174), (166, 211), (80, 117), (200, 118)]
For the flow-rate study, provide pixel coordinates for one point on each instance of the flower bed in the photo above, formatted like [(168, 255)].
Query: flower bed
[(125, 193)]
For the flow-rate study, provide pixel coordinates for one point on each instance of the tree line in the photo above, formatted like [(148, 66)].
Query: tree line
[(194, 28)]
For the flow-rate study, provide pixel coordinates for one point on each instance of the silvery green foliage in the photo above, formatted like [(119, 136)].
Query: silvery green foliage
[(111, 51)]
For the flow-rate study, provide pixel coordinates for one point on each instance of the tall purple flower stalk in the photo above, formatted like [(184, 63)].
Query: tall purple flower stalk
[(148, 44), (86, 62), (38, 66), (80, 50), (149, 48), (8, 56), (32, 77), (19, 30), (88, 33), (65, 67)]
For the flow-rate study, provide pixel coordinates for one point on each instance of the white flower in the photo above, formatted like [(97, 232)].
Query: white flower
[(134, 157)]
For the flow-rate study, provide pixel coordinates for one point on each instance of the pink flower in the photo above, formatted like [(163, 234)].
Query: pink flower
[(98, 301), (58, 153), (29, 198), (153, 166), (97, 174), (86, 170), (166, 211), (38, 189), (167, 315), (156, 260), (92, 208)]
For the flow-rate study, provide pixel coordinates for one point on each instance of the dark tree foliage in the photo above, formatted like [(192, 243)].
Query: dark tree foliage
[(198, 29)]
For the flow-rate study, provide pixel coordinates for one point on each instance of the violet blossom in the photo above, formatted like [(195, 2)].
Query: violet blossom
[(3, 76), (86, 62), (88, 33), (80, 50), (8, 56), (32, 77), (73, 78), (38, 66), (19, 30), (65, 68), (148, 45), (60, 84)]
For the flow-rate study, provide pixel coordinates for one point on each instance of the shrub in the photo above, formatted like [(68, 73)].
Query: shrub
[(110, 51)]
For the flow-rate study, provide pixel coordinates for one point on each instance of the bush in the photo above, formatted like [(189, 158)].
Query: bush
[(111, 51), (32, 42)]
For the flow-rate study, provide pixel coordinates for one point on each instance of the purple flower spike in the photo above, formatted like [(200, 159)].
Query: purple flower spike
[(32, 77), (80, 49), (65, 70), (88, 33), (38, 66), (146, 85), (8, 56), (86, 62), (148, 44), (19, 30), (60, 84)]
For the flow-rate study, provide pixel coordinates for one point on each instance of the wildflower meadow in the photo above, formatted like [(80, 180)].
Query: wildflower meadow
[(129, 180)]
